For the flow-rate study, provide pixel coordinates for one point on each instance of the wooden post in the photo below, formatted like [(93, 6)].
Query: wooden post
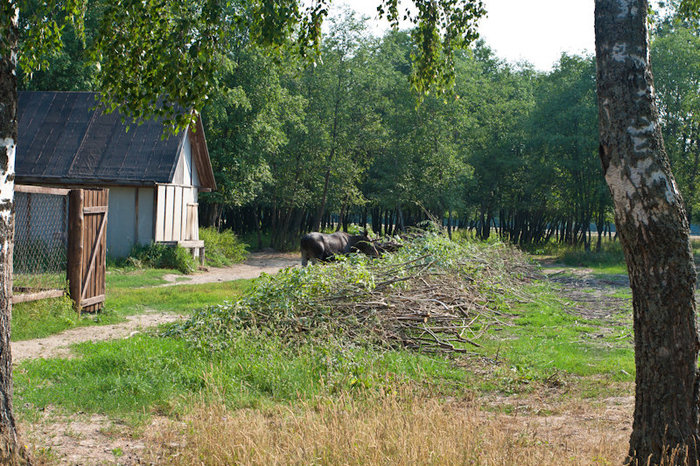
[(75, 246)]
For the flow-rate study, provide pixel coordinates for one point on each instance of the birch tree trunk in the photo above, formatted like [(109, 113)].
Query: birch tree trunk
[(654, 234), (11, 451)]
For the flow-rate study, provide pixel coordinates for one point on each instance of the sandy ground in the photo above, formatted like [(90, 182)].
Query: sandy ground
[(57, 346)]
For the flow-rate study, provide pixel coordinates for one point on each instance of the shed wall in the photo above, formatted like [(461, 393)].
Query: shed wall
[(130, 219)]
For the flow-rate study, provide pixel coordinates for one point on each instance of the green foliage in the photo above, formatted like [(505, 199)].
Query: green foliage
[(222, 248), (162, 58), (690, 9), (441, 29), (42, 25), (163, 256), (675, 54)]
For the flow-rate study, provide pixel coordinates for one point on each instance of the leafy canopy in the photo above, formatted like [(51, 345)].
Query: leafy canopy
[(159, 57)]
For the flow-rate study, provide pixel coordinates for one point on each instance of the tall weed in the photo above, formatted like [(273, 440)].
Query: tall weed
[(389, 430), (222, 248), (162, 256)]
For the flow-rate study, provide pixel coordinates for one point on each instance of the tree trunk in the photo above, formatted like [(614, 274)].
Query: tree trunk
[(691, 182), (399, 219), (258, 227), (654, 234), (449, 224), (11, 450)]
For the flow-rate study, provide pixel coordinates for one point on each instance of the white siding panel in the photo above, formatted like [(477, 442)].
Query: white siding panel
[(177, 214), (195, 176), (183, 169), (160, 214), (168, 213), (187, 161), (184, 234)]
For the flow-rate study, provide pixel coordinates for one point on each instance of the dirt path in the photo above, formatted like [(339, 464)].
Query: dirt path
[(57, 346), (269, 262), (592, 296)]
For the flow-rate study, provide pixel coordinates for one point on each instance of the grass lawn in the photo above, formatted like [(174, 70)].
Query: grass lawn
[(543, 344), (543, 347), (129, 292)]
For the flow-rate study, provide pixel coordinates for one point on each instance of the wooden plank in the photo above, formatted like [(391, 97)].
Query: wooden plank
[(93, 255), (183, 214), (21, 188), (98, 209), (92, 301), (26, 297), (102, 289), (192, 222), (168, 213), (191, 244), (156, 214), (75, 246), (177, 214)]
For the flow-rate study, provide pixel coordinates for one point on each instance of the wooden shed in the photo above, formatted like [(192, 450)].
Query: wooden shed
[(65, 141)]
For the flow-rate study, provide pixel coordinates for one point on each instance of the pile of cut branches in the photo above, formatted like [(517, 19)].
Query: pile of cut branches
[(432, 295)]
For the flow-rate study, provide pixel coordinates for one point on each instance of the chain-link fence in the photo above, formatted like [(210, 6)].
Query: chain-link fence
[(41, 240)]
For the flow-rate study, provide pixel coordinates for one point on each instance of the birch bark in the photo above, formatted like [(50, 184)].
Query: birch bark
[(653, 230), (11, 451)]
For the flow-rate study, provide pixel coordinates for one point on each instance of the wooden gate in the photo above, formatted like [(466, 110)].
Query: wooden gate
[(87, 247)]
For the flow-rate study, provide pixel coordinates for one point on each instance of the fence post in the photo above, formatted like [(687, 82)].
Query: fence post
[(75, 246)]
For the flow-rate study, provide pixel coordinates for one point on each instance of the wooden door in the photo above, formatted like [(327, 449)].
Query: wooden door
[(87, 248)]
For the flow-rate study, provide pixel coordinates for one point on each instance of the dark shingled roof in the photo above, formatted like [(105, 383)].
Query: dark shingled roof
[(63, 139)]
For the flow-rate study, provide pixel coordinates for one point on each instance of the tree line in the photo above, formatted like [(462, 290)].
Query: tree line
[(508, 150)]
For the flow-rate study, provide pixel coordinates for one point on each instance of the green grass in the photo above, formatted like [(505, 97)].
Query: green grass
[(42, 318), (545, 344), (132, 277), (546, 339), (146, 374), (176, 298)]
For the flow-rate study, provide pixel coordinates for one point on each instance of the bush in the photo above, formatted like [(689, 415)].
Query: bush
[(162, 256), (222, 248)]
